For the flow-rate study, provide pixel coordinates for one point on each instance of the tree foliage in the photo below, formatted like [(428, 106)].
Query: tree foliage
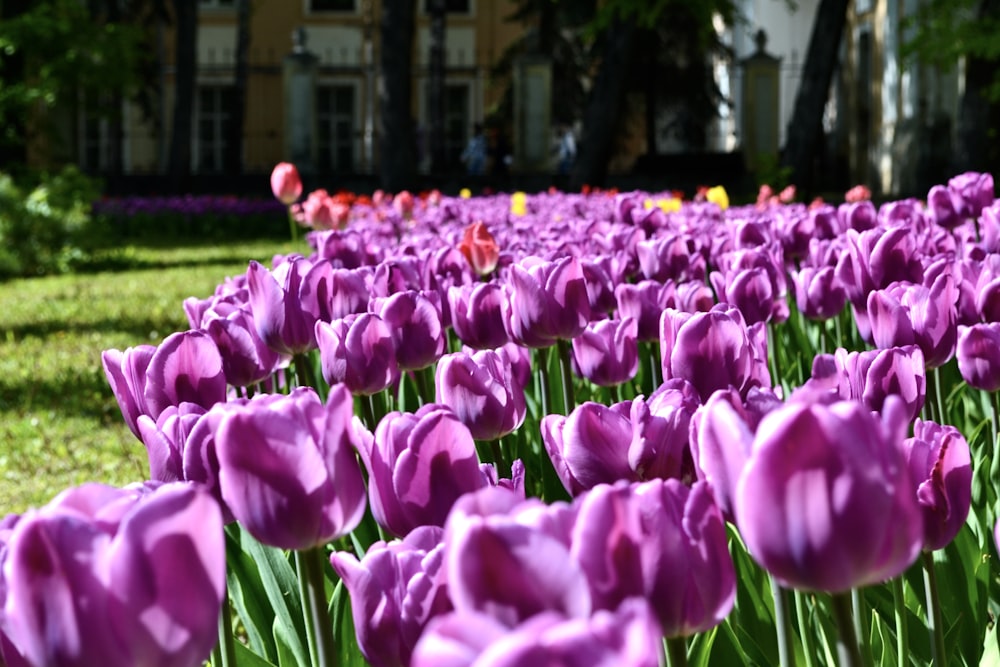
[(53, 52)]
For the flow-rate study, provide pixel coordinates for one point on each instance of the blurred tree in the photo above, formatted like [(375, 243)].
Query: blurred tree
[(185, 58), (52, 54), (805, 127), (238, 114), (943, 33), (603, 51), (397, 145), (437, 9)]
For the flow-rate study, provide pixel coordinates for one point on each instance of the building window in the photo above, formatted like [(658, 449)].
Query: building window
[(451, 6), (212, 113), (457, 122), (95, 141), (335, 127), (331, 5)]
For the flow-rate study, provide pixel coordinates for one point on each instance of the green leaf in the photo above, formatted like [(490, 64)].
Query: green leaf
[(248, 596), (281, 587), (247, 658)]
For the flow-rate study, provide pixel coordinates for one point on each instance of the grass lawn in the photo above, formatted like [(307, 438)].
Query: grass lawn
[(59, 422)]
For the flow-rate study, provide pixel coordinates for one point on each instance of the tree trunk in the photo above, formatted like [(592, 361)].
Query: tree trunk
[(600, 119), (801, 142), (116, 124), (975, 111), (435, 93), (237, 120), (397, 147), (186, 26)]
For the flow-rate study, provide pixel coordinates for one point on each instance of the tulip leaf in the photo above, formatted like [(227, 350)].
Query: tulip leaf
[(343, 627), (281, 588), (247, 658), (882, 641), (249, 598), (991, 649), (285, 640)]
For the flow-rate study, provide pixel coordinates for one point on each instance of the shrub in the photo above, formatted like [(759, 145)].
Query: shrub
[(45, 230)]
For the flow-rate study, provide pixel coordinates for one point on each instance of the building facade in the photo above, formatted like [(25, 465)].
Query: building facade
[(343, 35)]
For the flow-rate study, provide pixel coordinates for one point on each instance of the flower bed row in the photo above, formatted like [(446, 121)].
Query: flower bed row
[(574, 429)]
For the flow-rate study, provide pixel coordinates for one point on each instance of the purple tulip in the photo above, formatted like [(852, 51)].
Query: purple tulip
[(246, 359), (116, 577), (414, 319), (660, 426), (511, 569), (288, 470), (477, 315), (670, 258), (749, 290), (978, 353), (895, 257), (358, 351), (481, 390), (186, 367), (165, 439), (818, 293), (905, 314), (644, 301), (713, 350), (941, 468), (282, 322), (628, 635), (589, 447), (825, 501), (547, 301), (660, 540), (396, 589), (330, 293), (126, 373), (418, 465), (872, 376), (607, 352)]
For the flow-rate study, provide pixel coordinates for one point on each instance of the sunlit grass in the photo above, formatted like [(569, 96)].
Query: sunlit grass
[(59, 422)]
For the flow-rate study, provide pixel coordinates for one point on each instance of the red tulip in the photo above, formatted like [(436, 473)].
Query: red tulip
[(480, 248)]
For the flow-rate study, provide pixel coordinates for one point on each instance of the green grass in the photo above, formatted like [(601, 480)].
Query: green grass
[(59, 422)]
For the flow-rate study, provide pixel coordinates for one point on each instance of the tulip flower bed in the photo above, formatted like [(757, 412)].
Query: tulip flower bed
[(202, 217), (569, 429)]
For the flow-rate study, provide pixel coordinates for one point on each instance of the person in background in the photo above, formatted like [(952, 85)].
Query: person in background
[(474, 155), (567, 149)]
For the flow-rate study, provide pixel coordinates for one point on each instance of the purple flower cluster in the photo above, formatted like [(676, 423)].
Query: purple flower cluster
[(832, 485)]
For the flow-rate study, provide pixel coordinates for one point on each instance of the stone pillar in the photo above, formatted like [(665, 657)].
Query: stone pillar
[(299, 70), (532, 113), (761, 100)]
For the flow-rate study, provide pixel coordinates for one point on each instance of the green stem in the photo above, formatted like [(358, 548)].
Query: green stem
[(772, 348), (542, 360), (293, 226), (224, 654), (861, 625), (420, 379), (782, 625), (994, 449), (848, 654), (902, 636), (677, 652), (565, 366), (498, 460), (808, 647), (312, 588), (303, 371), (934, 623), (937, 396), (368, 412)]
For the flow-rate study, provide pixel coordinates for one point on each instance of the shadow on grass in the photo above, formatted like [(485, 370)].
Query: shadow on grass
[(136, 328), (123, 262), (81, 393)]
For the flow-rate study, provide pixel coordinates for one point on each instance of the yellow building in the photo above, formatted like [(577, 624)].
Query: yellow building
[(344, 37)]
